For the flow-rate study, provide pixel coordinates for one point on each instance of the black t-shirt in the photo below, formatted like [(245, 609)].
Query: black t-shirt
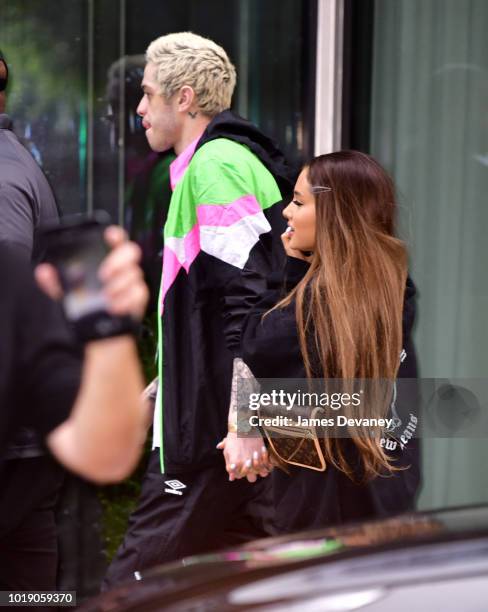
[(26, 204), (26, 199), (40, 364)]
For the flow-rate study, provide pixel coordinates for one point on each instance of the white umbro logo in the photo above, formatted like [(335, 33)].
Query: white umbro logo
[(175, 487)]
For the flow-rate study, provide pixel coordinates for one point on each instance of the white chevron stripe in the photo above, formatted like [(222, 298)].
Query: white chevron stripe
[(233, 243), (177, 245)]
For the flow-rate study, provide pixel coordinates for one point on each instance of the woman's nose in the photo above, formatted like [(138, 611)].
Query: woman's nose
[(287, 211)]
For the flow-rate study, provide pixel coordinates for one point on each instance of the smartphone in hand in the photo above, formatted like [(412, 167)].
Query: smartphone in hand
[(76, 248)]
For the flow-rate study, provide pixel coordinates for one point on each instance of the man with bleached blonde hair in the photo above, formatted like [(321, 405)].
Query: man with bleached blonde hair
[(186, 59), (227, 182)]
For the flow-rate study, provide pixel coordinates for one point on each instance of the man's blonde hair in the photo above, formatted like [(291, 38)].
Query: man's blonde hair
[(187, 59)]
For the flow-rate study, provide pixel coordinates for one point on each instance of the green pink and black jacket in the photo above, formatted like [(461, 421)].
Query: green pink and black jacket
[(221, 240)]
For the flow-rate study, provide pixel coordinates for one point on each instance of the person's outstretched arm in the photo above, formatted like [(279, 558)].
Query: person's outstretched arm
[(102, 438)]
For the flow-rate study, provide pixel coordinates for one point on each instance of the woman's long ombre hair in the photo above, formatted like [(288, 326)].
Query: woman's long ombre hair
[(349, 305)]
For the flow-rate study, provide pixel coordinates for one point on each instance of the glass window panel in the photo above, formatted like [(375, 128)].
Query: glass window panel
[(46, 50), (428, 125), (72, 58)]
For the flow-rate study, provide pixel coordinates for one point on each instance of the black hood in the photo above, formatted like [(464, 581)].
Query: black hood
[(229, 125)]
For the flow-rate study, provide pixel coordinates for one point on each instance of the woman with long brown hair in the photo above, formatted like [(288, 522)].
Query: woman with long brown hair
[(344, 311)]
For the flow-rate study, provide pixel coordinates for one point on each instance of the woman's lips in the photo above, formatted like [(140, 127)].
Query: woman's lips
[(289, 229)]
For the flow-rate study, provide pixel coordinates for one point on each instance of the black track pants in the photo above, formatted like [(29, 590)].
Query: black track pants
[(187, 514)]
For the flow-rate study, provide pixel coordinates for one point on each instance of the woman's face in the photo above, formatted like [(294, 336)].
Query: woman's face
[(300, 214)]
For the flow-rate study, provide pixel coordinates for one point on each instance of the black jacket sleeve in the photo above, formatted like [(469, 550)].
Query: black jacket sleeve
[(244, 288), (397, 493), (241, 292)]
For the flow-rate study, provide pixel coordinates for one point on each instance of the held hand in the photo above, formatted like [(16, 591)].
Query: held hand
[(245, 457), (285, 239)]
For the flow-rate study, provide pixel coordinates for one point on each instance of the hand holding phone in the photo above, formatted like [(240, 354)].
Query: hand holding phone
[(103, 294)]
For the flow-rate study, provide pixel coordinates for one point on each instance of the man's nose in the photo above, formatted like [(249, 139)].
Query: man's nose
[(141, 109)]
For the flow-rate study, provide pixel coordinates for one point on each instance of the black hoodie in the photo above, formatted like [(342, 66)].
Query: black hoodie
[(308, 499)]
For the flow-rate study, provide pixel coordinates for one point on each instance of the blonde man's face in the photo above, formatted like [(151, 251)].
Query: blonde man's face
[(160, 118)]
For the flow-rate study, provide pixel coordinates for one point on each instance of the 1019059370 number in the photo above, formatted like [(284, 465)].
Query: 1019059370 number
[(41, 597)]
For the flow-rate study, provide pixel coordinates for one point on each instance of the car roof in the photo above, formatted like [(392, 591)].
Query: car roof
[(368, 557)]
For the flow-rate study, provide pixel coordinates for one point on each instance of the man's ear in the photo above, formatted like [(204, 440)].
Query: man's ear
[(186, 98)]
